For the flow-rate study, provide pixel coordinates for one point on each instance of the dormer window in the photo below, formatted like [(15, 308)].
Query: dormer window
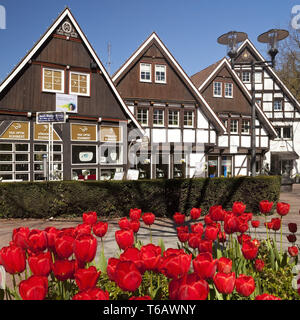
[(79, 83), (228, 90), (160, 73), (145, 72), (53, 80), (217, 89), (246, 76)]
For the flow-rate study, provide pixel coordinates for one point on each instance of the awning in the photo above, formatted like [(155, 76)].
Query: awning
[(286, 155)]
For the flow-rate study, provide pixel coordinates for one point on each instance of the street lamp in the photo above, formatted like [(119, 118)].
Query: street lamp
[(231, 40)]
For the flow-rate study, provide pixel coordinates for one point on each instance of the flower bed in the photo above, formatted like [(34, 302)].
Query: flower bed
[(220, 259)]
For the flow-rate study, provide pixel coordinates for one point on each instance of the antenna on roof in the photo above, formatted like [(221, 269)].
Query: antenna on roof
[(109, 57)]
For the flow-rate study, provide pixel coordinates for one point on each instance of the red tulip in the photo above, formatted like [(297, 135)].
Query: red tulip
[(134, 255), (175, 265), (124, 238), (205, 246), (171, 251), (292, 227), (259, 265), (127, 276), (243, 238), (83, 228), (64, 269), (134, 225), (276, 224), (255, 223), (20, 237), (189, 287), (282, 208), (111, 268), (179, 218), (140, 298), (151, 256), (100, 229), (197, 228), (124, 223), (34, 288), (194, 239), (92, 294), (208, 220), (52, 234), (211, 233), (89, 217), (265, 206), (148, 218), (195, 213), (230, 224), (40, 264), (244, 285), (204, 265), (86, 278), (85, 247), (216, 213), (70, 231), (224, 282), (64, 245), (224, 265), (135, 214), (249, 250), (183, 236), (222, 237), (13, 259), (238, 208), (37, 240), (266, 296), (293, 251), (291, 238)]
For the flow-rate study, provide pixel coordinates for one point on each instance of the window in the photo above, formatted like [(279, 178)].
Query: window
[(160, 73), (246, 76), (173, 118), (84, 154), (284, 132), (226, 166), (258, 77), (111, 154), (217, 89), (188, 119), (142, 116), (158, 117), (234, 126), (228, 90), (53, 80), (145, 72), (245, 126), (79, 83), (14, 161), (277, 105)]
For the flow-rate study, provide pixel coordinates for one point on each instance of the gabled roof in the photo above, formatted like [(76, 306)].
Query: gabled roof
[(139, 52), (67, 13), (214, 69), (248, 43)]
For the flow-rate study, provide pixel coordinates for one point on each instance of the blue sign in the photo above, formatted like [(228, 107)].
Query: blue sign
[(50, 117)]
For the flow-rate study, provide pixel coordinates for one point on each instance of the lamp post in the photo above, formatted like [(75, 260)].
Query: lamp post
[(231, 40)]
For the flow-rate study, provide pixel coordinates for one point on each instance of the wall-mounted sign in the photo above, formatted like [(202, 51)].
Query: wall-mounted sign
[(83, 132), (16, 131), (110, 134), (66, 102), (41, 132), (51, 117), (133, 174)]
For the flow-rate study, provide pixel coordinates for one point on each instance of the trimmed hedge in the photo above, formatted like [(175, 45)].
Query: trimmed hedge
[(115, 198)]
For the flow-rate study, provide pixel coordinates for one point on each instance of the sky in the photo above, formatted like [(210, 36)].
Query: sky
[(189, 28)]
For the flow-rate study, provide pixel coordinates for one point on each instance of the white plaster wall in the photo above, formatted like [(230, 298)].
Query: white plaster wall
[(159, 135), (235, 141), (246, 141), (213, 137), (174, 135), (223, 141), (202, 136), (188, 135), (202, 121)]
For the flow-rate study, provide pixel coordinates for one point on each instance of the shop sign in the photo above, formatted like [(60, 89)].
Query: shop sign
[(66, 103), (41, 132), (110, 134), (83, 132), (17, 131)]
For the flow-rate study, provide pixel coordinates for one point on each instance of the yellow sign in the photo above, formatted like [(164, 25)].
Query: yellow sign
[(41, 132), (16, 131), (110, 134), (83, 132)]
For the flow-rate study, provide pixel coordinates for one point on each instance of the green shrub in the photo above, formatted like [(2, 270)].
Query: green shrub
[(115, 198)]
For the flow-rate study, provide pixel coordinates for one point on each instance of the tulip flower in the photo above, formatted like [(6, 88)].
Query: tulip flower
[(282, 208), (140, 298), (291, 238), (64, 269), (111, 268), (204, 265), (183, 236), (20, 237), (34, 288), (265, 206), (134, 225), (40, 264), (216, 213), (259, 265), (83, 228), (195, 213), (37, 240), (194, 240), (134, 255), (127, 276), (197, 228), (211, 233), (13, 259), (292, 227), (124, 224), (249, 250), (238, 208), (205, 246), (86, 278), (92, 294), (175, 265), (150, 255), (293, 251), (100, 229), (224, 282), (85, 247), (179, 218), (224, 265), (52, 234), (64, 246), (244, 285), (135, 214), (124, 238), (89, 217), (266, 296), (149, 219)]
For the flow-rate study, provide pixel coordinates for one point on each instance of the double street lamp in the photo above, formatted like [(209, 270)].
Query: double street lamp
[(232, 40)]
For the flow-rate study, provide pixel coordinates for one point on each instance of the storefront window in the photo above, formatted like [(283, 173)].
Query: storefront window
[(84, 154), (212, 166), (162, 166), (109, 174), (144, 167), (84, 174), (111, 154), (226, 166)]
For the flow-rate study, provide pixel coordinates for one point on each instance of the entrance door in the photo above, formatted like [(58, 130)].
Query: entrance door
[(213, 166)]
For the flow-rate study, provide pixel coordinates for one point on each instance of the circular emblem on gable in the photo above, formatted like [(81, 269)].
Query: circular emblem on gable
[(67, 28)]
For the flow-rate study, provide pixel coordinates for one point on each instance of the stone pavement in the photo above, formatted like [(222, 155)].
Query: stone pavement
[(162, 229)]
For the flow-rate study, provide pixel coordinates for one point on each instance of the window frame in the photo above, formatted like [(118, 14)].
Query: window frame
[(88, 81), (150, 68), (165, 72), (163, 118), (249, 76), (281, 105), (221, 89), (62, 80), (237, 127), (173, 125), (193, 119), (242, 127), (137, 116), (231, 85)]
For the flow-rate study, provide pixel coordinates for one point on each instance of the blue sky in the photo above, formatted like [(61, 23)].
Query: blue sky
[(189, 28)]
